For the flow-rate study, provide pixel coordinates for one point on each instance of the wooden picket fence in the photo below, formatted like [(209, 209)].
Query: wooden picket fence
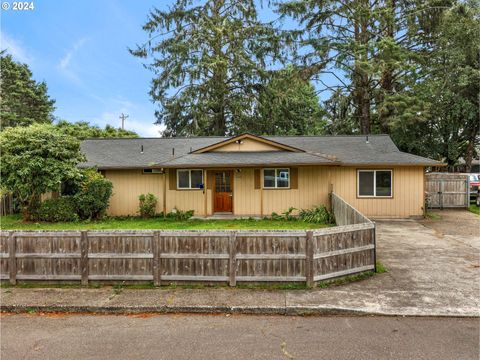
[(187, 256)]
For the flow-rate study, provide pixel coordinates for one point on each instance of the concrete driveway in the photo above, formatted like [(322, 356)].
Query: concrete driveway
[(440, 256), (433, 269)]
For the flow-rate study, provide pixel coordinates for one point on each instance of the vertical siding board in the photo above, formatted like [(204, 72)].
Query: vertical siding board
[(312, 190)]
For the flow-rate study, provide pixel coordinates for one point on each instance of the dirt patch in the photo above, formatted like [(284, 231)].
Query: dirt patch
[(454, 222)]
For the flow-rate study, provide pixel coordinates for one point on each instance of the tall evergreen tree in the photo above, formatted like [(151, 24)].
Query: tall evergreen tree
[(447, 126), (23, 101), (374, 48), (337, 37), (287, 105), (209, 58)]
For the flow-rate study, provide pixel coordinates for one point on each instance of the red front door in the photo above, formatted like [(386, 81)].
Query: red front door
[(223, 192)]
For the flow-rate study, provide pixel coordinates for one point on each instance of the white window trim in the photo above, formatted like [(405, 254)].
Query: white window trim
[(374, 184), (189, 179), (275, 187)]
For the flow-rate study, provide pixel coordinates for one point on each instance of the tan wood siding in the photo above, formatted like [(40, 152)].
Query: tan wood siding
[(128, 185), (247, 145), (188, 199), (246, 197), (407, 192), (313, 188)]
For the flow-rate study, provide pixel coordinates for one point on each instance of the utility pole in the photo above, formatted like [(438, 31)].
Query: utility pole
[(123, 117)]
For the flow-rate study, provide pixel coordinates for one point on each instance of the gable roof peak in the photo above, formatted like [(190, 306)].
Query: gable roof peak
[(238, 139)]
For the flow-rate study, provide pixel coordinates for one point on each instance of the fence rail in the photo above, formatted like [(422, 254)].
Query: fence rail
[(164, 257), (207, 256)]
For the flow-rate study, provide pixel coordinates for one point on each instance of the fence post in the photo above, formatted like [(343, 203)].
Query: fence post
[(232, 258), (12, 252), (375, 247), (467, 204), (330, 198), (440, 194), (84, 257), (156, 259), (309, 259)]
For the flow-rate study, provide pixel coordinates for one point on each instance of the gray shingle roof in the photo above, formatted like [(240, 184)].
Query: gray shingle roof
[(269, 158), (174, 152)]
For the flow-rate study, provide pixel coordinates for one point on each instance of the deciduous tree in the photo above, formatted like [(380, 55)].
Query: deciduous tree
[(83, 130), (35, 160)]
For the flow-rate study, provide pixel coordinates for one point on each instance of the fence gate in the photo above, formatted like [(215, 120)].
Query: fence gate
[(446, 190)]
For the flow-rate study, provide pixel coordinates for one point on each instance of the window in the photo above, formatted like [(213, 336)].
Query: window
[(190, 179), (276, 178), (374, 183), (152, 171)]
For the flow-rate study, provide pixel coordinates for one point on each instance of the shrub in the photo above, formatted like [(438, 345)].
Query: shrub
[(147, 206), (286, 215), (275, 216), (180, 215), (93, 196), (58, 209), (318, 214), (35, 159)]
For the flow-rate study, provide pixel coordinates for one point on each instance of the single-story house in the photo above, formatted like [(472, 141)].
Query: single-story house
[(250, 175)]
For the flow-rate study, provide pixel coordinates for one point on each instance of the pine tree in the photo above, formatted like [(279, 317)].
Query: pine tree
[(373, 48), (449, 87), (337, 38), (23, 101), (287, 105), (209, 59)]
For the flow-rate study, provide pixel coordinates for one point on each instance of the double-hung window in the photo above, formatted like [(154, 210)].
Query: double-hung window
[(276, 178), (190, 179), (374, 183)]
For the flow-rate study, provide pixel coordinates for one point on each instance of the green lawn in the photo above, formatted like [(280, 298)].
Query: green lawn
[(473, 208), (15, 222)]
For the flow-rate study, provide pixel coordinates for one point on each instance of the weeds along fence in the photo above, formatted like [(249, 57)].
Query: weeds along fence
[(191, 256)]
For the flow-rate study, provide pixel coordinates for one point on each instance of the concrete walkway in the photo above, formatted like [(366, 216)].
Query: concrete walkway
[(430, 273)]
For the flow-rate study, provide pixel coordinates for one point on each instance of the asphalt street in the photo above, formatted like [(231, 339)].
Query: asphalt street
[(146, 336)]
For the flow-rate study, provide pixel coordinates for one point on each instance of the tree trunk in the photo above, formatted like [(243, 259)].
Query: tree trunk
[(469, 156), (361, 78), (219, 75), (30, 207), (386, 81), (471, 146)]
